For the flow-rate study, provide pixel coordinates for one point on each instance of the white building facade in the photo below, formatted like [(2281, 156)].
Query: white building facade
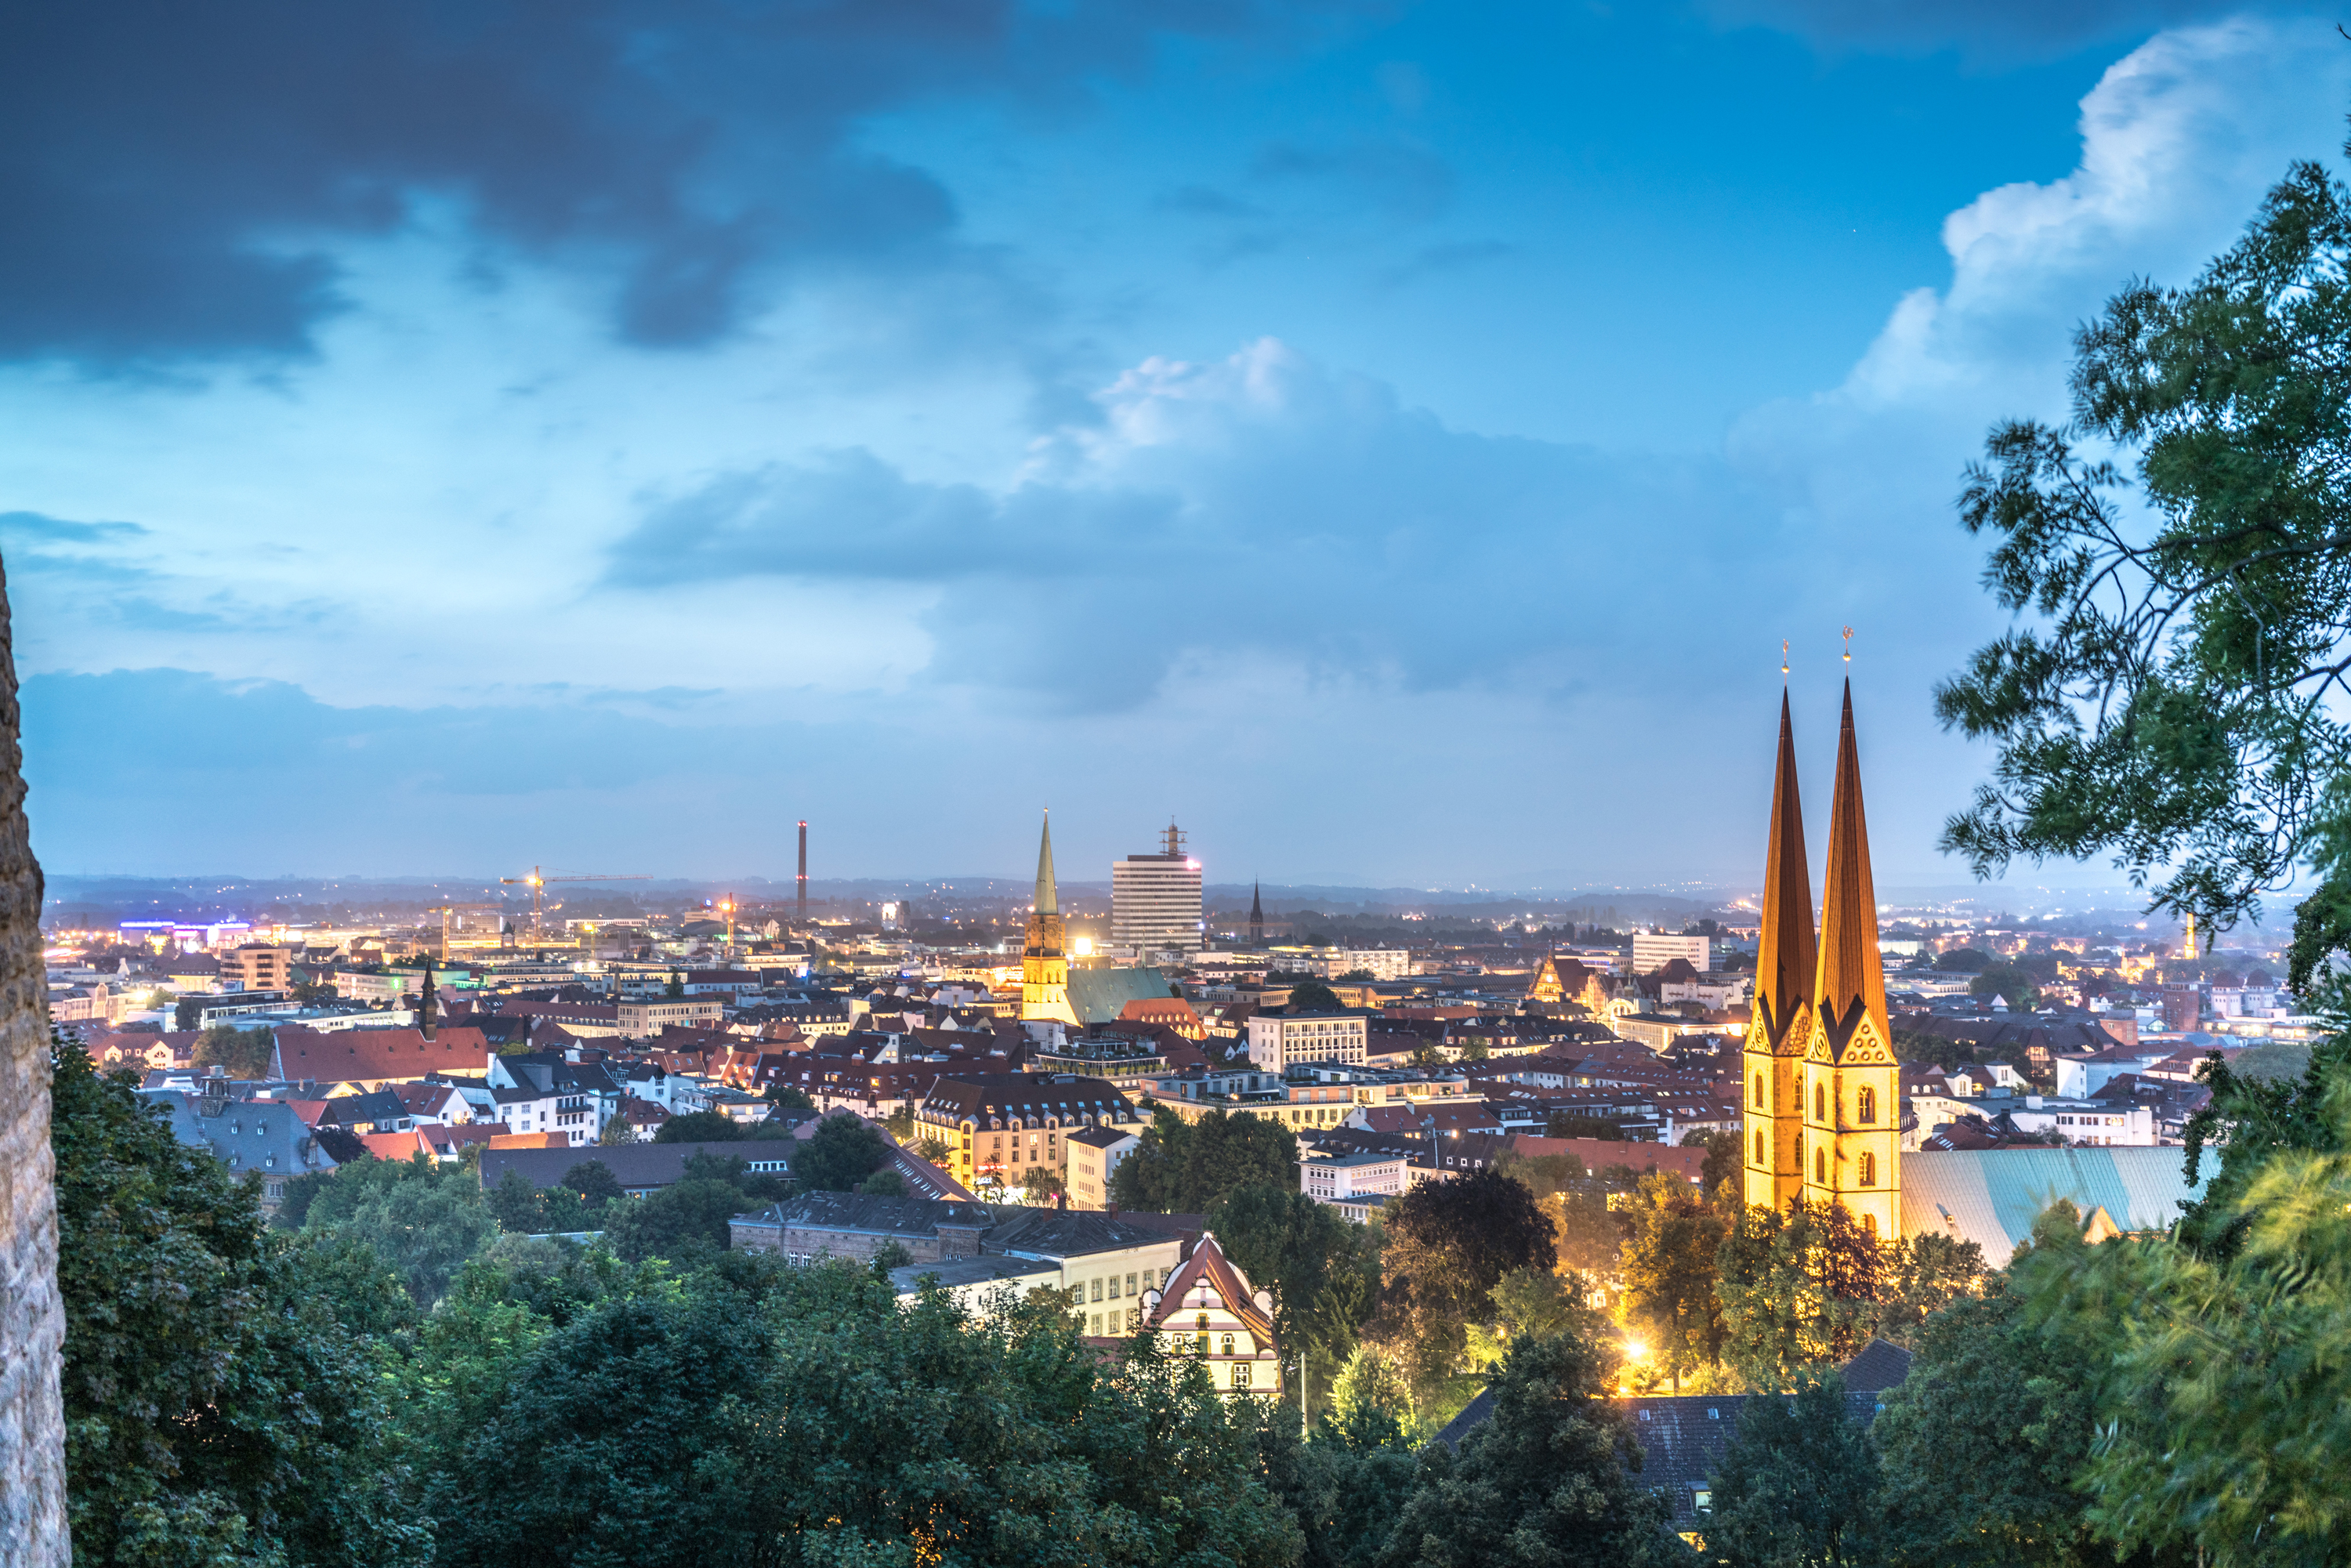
[(1155, 904)]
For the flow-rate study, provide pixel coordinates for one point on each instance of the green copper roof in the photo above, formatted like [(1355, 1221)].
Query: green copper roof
[(1047, 902)]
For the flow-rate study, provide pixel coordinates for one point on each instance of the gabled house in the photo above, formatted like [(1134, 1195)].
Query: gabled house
[(1208, 1311)]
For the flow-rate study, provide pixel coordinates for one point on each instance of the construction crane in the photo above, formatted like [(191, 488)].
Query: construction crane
[(537, 882)]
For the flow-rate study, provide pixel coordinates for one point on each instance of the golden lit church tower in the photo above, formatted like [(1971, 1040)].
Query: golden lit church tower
[(1044, 953), (1781, 1030), (1823, 1096)]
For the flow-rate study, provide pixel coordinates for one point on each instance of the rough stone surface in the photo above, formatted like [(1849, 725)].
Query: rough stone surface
[(32, 1321)]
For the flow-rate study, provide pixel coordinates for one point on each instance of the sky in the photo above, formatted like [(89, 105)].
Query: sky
[(1394, 440)]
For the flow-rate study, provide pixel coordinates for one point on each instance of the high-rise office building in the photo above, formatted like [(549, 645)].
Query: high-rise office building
[(1154, 900)]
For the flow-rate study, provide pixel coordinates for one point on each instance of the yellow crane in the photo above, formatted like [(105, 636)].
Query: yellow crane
[(536, 882)]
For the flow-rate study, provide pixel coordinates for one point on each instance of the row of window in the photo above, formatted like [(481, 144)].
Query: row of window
[(1864, 1106)]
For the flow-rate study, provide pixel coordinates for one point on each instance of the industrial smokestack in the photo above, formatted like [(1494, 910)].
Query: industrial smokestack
[(803, 871)]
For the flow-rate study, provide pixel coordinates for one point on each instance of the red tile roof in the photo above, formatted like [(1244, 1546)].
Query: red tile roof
[(395, 1055), (1209, 1263)]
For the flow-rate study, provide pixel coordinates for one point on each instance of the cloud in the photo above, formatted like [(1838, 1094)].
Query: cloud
[(19, 526), (1261, 504), (1437, 260), (179, 179), (2179, 140)]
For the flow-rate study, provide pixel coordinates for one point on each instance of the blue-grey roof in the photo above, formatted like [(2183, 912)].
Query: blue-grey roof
[(262, 1135), (1991, 1196), (1098, 996)]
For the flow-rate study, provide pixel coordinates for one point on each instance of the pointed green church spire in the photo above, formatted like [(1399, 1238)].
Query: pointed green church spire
[(1047, 902)]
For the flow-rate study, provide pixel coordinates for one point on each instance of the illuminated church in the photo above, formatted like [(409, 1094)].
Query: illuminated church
[(1823, 1091), (1044, 952)]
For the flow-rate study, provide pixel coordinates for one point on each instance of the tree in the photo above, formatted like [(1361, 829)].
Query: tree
[(186, 1013), (1572, 1124), (2254, 1121), (1544, 1483), (1179, 1168), (2215, 1386), (2175, 703), (1347, 1486), (683, 1221), (700, 1127), (887, 1183), (617, 1131), (593, 1180), (216, 1412), (239, 1053), (1323, 1281), (1672, 1238), (843, 1152), (1801, 1288), (1538, 1303), (784, 1097), (901, 1121), (1800, 1485), (1312, 996), (932, 1148), (1982, 1443), (1448, 1245), (424, 1218)]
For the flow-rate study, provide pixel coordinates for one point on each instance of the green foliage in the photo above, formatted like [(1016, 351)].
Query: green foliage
[(685, 1221), (700, 1127), (1544, 1483), (593, 1180), (841, 1153), (1799, 1486), (185, 1012), (238, 1053), (1964, 961), (217, 1412), (2171, 705), (1312, 996), (1982, 1443), (2220, 1396), (2253, 1120), (788, 1416), (932, 1148), (1322, 1275), (1672, 1238), (1346, 1488), (1801, 1288), (890, 1184), (1448, 1245), (783, 1096), (1180, 1169), (1537, 1303), (424, 1218)]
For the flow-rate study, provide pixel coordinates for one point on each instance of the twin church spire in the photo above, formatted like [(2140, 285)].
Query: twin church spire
[(1822, 1091)]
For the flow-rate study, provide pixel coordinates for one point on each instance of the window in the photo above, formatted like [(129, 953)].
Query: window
[(1868, 1170), (1240, 1374), (1820, 1167), (1228, 1349), (1093, 1324), (1097, 1296), (1869, 1226), (1758, 1091), (1820, 1101), (1130, 1284), (1866, 1104), (1759, 1158)]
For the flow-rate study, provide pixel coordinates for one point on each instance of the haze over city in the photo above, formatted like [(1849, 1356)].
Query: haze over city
[(1396, 441)]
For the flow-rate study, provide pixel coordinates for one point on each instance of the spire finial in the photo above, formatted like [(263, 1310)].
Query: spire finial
[(1848, 644), (1784, 660)]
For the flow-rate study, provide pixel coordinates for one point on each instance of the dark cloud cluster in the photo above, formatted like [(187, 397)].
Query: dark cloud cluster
[(176, 176)]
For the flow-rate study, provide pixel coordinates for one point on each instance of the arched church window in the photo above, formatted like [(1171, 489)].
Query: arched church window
[(1758, 1091), (1820, 1167), (1868, 1170), (1761, 1158), (1820, 1101), (1866, 1104)]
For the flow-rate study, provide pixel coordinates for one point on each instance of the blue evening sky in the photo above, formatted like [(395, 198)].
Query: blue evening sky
[(1393, 439)]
